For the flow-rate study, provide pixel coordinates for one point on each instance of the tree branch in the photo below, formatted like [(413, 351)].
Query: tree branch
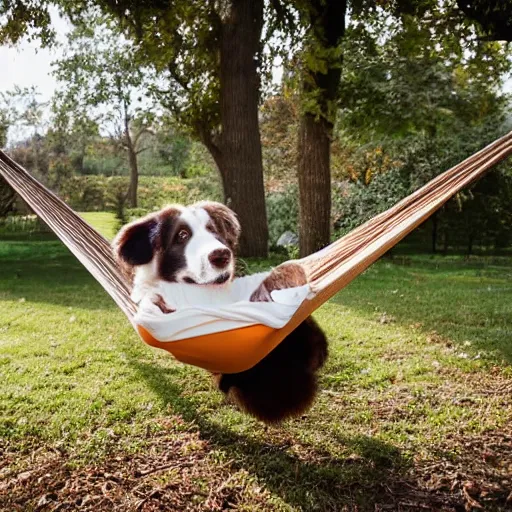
[(209, 141), (284, 17), (177, 78), (142, 131)]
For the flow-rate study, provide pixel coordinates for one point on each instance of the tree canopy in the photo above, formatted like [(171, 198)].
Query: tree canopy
[(101, 76), (404, 69)]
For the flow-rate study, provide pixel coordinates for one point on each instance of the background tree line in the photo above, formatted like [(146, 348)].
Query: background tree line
[(377, 98)]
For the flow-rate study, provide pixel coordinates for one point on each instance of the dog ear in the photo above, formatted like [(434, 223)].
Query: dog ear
[(225, 221), (135, 243)]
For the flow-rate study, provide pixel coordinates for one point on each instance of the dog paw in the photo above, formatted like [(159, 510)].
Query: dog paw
[(261, 294), (159, 301), (287, 275)]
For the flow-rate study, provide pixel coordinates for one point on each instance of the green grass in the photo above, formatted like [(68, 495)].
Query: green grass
[(104, 222), (414, 409)]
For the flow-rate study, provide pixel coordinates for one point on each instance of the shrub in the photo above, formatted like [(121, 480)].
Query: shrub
[(479, 216), (355, 203), (22, 224), (60, 169), (282, 213), (135, 213), (96, 193)]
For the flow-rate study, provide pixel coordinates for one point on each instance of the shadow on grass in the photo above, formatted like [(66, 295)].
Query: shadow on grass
[(322, 483), (48, 273)]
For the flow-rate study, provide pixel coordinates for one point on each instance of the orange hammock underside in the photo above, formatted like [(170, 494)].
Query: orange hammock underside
[(328, 270)]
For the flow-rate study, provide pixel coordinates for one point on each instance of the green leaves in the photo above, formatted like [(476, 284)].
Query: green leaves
[(20, 19), (102, 79), (100, 65), (405, 75), (21, 109), (180, 42)]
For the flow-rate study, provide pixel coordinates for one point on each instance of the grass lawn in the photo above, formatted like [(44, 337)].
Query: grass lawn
[(104, 222), (414, 414)]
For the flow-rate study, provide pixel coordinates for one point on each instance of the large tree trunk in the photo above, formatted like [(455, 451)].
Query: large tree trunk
[(238, 154), (327, 27), (314, 184)]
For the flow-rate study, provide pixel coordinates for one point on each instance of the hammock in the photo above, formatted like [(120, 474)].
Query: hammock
[(328, 271)]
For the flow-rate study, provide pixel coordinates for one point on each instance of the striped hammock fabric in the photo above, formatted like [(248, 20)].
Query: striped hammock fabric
[(328, 271)]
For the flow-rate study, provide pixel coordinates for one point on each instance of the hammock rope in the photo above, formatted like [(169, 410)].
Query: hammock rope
[(328, 270), (335, 266), (89, 247)]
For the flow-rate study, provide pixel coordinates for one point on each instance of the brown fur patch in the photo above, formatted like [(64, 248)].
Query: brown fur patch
[(160, 302), (224, 221), (138, 242), (285, 276), (124, 238)]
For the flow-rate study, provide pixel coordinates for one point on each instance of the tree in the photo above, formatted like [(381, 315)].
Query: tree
[(209, 55), (72, 129), (425, 99), (172, 147), (458, 36), (418, 90), (5, 123), (494, 17), (101, 73), (405, 76), (23, 111), (7, 194), (212, 60), (321, 71), (278, 125)]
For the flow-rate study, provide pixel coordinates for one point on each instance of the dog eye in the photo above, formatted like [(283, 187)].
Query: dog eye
[(210, 228), (183, 235)]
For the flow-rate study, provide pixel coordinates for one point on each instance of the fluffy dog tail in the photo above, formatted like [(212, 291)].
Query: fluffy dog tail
[(284, 383)]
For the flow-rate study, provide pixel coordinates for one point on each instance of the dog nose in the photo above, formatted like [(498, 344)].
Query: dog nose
[(220, 257)]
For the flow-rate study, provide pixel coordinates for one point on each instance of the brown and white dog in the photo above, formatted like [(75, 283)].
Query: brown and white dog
[(197, 245)]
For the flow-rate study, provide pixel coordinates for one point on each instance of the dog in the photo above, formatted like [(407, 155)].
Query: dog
[(197, 245)]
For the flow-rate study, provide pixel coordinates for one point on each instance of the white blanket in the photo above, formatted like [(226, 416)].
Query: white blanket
[(208, 309)]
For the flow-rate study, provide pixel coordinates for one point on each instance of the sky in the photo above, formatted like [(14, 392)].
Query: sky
[(28, 64)]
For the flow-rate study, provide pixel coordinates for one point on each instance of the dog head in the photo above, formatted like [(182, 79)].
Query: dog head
[(194, 244)]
